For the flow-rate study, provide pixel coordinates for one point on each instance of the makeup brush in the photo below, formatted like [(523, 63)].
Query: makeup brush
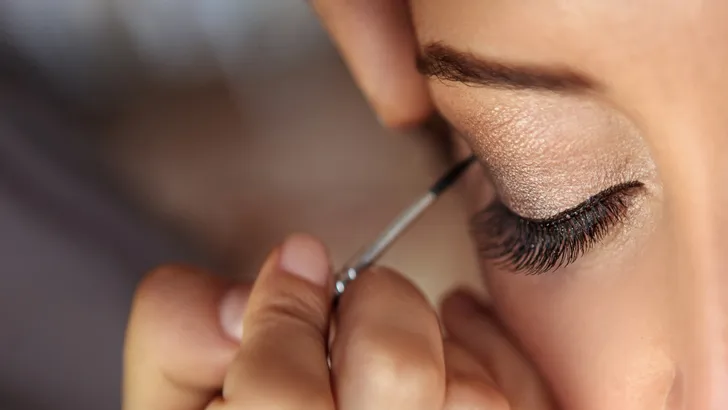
[(371, 253)]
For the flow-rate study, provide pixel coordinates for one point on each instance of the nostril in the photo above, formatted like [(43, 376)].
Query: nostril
[(676, 394)]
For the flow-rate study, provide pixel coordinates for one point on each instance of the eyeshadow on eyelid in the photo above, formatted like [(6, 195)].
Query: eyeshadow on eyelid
[(538, 246), (547, 153)]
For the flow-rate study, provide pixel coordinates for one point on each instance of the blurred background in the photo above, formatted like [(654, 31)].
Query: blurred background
[(139, 132)]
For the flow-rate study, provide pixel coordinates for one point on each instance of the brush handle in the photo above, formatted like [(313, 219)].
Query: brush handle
[(371, 254)]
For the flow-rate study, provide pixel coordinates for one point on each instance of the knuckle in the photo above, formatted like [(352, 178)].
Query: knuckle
[(385, 273), (384, 283), (158, 314), (159, 280), (314, 400), (470, 393), (159, 290), (147, 293), (308, 401), (152, 282), (403, 365), (283, 395), (293, 309)]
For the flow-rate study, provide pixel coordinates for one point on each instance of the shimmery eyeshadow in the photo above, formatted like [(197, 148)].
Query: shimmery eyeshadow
[(546, 152)]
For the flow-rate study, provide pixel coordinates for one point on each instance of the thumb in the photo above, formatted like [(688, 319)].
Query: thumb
[(183, 333)]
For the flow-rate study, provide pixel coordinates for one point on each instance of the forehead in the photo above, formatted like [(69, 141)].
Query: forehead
[(657, 59), (586, 34), (662, 64), (521, 16)]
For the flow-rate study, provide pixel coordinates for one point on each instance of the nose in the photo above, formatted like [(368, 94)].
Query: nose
[(704, 368), (701, 381)]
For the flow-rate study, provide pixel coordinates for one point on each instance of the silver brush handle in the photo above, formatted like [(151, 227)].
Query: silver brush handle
[(370, 255), (342, 279)]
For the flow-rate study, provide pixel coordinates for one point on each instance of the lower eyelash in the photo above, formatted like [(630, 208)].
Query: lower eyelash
[(536, 246)]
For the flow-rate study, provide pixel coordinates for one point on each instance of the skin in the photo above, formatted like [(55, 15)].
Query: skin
[(637, 323), (197, 342)]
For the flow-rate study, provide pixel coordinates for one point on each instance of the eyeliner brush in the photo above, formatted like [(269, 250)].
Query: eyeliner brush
[(369, 256)]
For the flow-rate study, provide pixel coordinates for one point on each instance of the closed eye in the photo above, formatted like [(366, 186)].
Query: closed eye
[(536, 246)]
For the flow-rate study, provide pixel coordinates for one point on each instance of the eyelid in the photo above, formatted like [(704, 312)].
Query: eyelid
[(625, 188), (537, 246)]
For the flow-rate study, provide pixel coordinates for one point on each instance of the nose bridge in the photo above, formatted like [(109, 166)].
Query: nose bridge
[(706, 361), (695, 198)]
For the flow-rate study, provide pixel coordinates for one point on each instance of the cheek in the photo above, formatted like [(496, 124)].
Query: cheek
[(601, 340), (600, 330)]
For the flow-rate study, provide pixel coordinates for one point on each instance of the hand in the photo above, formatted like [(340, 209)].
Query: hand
[(377, 40), (476, 329), (190, 346)]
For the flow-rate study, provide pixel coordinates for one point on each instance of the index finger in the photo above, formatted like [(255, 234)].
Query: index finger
[(377, 40), (282, 362), (388, 348)]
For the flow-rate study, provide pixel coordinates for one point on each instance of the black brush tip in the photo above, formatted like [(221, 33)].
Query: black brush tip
[(452, 175)]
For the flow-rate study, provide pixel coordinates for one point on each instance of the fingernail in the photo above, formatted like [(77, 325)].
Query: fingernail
[(231, 313), (305, 257)]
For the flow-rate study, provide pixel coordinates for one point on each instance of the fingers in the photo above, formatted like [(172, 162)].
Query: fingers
[(469, 386), (474, 328), (388, 351), (378, 43), (178, 344), (281, 363)]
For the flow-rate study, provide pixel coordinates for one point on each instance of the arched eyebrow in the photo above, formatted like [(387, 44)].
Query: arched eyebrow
[(440, 61)]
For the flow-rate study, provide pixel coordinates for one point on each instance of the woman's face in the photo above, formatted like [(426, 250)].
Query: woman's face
[(600, 125)]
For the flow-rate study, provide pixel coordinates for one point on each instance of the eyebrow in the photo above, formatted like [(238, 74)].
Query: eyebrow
[(448, 64)]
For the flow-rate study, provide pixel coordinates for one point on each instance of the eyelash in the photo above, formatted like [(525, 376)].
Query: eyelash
[(537, 246)]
